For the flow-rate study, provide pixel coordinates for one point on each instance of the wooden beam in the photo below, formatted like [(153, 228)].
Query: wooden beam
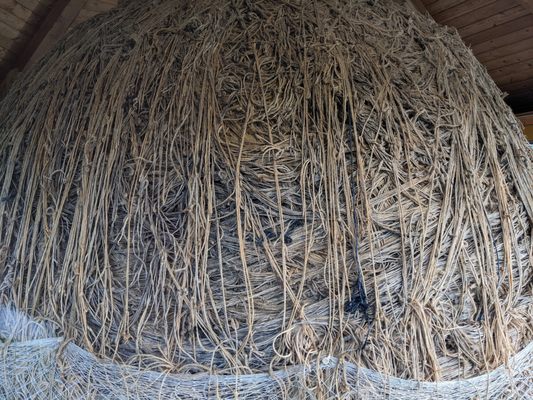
[(61, 20), (53, 26)]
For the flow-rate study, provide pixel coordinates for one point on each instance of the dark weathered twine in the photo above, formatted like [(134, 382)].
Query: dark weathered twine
[(237, 187)]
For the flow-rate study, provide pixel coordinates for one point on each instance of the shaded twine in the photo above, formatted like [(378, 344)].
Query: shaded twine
[(237, 188)]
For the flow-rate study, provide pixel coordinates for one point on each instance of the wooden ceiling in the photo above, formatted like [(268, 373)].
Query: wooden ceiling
[(29, 28), (500, 33)]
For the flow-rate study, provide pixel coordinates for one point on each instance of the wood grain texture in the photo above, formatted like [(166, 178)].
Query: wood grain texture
[(517, 25), (16, 9), (500, 32), (463, 11), (435, 7), (53, 28), (516, 60), (527, 4), (493, 21), (517, 85), (503, 40), (523, 69)]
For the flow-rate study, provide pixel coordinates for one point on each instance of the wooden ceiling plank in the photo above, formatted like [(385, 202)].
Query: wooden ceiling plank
[(479, 14), (16, 9), (29, 4), (520, 56), (523, 68), (5, 42), (501, 53), (459, 11), (518, 76), (52, 29), (514, 86), (504, 40), (53, 26), (519, 26), (8, 31), (9, 43), (6, 52), (527, 4), (12, 20), (438, 6), (491, 22)]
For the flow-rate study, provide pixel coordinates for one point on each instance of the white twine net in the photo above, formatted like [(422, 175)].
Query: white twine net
[(37, 364)]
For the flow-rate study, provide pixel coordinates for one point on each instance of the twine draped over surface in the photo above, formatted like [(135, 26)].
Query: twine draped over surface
[(213, 189)]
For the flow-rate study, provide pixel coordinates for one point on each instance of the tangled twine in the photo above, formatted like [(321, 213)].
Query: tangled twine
[(238, 188)]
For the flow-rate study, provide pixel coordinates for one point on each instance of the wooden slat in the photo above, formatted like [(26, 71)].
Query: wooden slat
[(514, 86), (16, 9), (521, 27), (495, 20), (8, 31), (436, 7), (505, 51), (512, 59), (523, 71), (463, 11), (519, 77), (12, 20), (4, 41), (40, 8), (479, 14), (527, 4), (5, 53), (54, 27), (13, 44), (29, 4)]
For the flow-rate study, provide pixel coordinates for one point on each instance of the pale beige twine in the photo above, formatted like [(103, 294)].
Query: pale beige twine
[(299, 198)]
